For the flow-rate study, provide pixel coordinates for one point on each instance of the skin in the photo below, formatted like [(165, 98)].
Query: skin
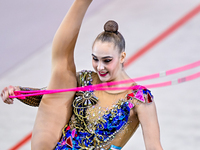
[(9, 91), (147, 116), (55, 109), (107, 62)]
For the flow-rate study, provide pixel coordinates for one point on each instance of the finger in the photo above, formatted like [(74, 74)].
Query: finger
[(3, 92), (11, 90), (4, 99), (5, 95), (5, 89), (8, 101)]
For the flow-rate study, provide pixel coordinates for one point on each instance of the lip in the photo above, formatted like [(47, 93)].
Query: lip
[(103, 75)]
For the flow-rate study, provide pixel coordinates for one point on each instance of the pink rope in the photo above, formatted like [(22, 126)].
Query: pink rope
[(148, 77), (86, 88), (23, 94), (183, 68)]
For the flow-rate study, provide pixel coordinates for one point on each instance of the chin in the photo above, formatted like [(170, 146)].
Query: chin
[(106, 79), (103, 79)]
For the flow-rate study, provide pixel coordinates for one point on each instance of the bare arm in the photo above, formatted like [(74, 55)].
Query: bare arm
[(55, 109), (148, 118)]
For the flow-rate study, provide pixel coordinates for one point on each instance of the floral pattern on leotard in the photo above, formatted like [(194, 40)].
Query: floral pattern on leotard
[(82, 134)]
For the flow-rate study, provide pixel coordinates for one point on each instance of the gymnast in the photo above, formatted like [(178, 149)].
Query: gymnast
[(90, 120)]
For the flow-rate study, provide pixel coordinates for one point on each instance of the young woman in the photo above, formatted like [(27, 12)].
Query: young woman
[(90, 119)]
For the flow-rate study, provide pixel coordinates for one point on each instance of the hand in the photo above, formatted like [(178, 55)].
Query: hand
[(8, 91)]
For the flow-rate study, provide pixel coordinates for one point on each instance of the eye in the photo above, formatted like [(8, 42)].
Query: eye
[(107, 60), (95, 59)]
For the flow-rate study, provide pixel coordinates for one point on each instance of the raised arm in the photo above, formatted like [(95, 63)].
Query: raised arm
[(55, 109), (148, 118)]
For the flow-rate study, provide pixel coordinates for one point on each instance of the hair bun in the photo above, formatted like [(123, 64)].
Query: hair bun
[(111, 26)]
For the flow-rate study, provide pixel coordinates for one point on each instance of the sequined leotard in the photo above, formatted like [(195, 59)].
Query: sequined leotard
[(102, 120)]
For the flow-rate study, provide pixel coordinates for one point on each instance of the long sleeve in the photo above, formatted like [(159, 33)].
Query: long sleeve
[(32, 100)]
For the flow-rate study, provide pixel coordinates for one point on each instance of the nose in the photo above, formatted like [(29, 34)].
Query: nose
[(100, 66)]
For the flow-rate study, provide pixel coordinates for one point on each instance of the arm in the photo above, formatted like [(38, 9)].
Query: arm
[(31, 101), (148, 118), (55, 109)]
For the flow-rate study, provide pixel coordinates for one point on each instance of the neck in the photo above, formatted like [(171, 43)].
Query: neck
[(123, 76)]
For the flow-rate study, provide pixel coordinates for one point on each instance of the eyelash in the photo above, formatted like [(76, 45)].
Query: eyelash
[(106, 60), (95, 59)]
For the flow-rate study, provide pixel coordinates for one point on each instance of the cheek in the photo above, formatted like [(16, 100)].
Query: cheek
[(94, 64), (112, 66)]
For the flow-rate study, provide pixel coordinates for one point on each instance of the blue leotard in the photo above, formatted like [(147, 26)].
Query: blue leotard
[(86, 133)]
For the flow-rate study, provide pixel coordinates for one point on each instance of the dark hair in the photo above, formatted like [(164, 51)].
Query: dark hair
[(111, 34)]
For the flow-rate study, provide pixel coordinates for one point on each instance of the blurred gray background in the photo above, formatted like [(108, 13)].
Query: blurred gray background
[(26, 32)]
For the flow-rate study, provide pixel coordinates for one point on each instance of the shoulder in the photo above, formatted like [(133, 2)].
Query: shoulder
[(140, 95), (86, 77)]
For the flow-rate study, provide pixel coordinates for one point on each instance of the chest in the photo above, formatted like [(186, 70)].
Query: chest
[(101, 110)]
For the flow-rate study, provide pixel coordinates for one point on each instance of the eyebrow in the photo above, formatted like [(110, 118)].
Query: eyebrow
[(102, 57)]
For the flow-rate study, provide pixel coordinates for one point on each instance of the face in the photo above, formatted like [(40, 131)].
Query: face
[(107, 61)]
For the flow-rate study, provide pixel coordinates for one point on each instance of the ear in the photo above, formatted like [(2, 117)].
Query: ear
[(122, 58)]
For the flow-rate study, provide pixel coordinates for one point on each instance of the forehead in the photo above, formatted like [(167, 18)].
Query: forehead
[(102, 49)]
